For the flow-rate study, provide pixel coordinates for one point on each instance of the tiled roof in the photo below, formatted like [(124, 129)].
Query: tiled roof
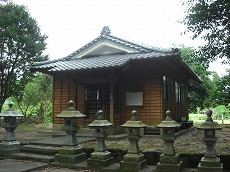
[(79, 60), (105, 61), (105, 35)]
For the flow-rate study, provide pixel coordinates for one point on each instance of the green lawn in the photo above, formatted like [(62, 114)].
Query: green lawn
[(199, 118)]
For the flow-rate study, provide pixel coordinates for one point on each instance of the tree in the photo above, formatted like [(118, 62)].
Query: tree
[(225, 84), (209, 19), (36, 97), (198, 93), (21, 44)]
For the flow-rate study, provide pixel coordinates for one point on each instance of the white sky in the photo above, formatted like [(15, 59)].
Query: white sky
[(70, 24)]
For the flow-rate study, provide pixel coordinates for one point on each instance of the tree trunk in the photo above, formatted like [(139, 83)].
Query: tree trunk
[(2, 101), (1, 107)]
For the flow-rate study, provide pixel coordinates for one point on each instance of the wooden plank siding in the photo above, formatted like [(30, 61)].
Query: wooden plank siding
[(151, 111), (80, 96), (57, 97), (141, 76), (178, 109), (64, 89)]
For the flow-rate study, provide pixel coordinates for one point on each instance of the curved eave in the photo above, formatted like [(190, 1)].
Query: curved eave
[(99, 62)]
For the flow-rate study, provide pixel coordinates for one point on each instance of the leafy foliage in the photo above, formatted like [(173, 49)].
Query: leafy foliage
[(21, 43), (225, 83), (209, 19), (198, 93), (35, 100), (213, 91), (221, 109)]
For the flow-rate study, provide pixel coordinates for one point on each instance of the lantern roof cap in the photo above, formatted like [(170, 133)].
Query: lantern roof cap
[(10, 112), (100, 121), (133, 122), (70, 112), (209, 123), (168, 122)]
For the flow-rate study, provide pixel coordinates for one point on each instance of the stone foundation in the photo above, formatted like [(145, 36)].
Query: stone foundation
[(133, 162), (210, 165), (169, 163), (8, 148), (99, 160), (70, 155)]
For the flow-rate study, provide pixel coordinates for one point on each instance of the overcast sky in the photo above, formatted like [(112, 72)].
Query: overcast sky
[(70, 24)]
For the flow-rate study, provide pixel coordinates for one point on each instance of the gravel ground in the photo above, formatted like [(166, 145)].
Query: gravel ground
[(190, 142), (56, 169)]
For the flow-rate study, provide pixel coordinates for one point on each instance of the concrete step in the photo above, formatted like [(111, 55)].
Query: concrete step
[(40, 149), (33, 157)]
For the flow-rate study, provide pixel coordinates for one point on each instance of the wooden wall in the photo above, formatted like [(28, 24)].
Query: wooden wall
[(151, 111), (65, 89), (143, 77), (140, 76), (178, 109)]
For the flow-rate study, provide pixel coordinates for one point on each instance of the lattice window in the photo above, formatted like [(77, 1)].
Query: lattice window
[(97, 98), (116, 99)]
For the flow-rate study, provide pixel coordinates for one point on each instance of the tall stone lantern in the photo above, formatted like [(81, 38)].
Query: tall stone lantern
[(210, 162), (70, 152), (169, 160), (9, 145), (134, 159), (101, 157)]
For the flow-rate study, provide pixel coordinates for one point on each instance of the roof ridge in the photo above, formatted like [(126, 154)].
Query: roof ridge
[(124, 54), (106, 34), (146, 46)]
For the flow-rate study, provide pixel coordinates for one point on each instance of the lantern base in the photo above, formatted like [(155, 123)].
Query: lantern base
[(133, 162), (169, 163), (70, 155), (8, 148), (210, 165), (99, 160)]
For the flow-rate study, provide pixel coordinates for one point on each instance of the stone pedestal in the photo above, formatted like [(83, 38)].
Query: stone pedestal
[(99, 160), (210, 165), (70, 155), (136, 162), (169, 163), (9, 147)]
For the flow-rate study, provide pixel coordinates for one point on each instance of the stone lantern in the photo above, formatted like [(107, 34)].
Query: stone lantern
[(134, 159), (101, 157), (9, 145), (210, 162), (70, 152), (169, 160)]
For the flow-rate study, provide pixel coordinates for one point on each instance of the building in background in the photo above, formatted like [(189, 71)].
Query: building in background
[(118, 76)]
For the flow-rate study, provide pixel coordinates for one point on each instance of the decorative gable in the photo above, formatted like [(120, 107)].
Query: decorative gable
[(105, 47), (106, 44)]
